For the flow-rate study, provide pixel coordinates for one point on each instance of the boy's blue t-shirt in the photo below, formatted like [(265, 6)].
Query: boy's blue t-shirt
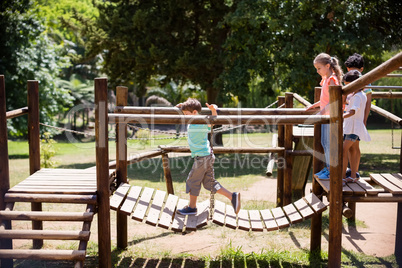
[(197, 137)]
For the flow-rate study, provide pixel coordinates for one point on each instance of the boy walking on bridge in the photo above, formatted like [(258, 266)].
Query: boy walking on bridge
[(202, 171)]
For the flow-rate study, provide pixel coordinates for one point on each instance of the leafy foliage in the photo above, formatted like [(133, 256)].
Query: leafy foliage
[(28, 54), (226, 46)]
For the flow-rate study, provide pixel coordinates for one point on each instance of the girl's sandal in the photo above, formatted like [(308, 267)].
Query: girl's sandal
[(344, 181), (350, 179)]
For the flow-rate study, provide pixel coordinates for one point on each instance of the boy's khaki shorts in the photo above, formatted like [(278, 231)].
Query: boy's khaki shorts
[(202, 172)]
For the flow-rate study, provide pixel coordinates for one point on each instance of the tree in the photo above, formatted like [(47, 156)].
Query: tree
[(225, 46), (28, 54)]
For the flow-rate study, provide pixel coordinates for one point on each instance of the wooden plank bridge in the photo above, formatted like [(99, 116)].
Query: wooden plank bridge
[(158, 208)]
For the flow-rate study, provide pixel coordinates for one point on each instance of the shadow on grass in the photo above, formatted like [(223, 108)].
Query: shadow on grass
[(226, 165), (18, 156), (78, 165), (379, 163)]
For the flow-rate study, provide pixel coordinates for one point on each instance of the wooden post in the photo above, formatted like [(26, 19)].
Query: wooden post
[(288, 142), (121, 165), (34, 148), (316, 220), (280, 169), (335, 198), (4, 168), (102, 173), (168, 174), (398, 234)]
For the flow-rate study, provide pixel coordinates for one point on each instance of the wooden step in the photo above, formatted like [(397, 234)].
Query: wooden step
[(46, 216), (45, 234), (40, 254), (50, 198)]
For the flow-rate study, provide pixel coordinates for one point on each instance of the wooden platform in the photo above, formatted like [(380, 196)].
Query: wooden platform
[(158, 208), (73, 186), (384, 187)]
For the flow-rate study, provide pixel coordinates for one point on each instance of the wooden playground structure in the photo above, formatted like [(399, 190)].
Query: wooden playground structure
[(94, 187)]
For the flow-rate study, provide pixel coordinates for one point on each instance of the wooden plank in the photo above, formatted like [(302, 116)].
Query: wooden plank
[(397, 175), (53, 191), (230, 218), (75, 184), (304, 208), (192, 220), (357, 190), (280, 217), (370, 190), (46, 216), (383, 182), (269, 220), (168, 211), (203, 214), (32, 254), (65, 171), (219, 213), (325, 184), (131, 200), (315, 203), (255, 220), (45, 234), (292, 213), (156, 207), (51, 198), (392, 179), (143, 204), (243, 220), (179, 220)]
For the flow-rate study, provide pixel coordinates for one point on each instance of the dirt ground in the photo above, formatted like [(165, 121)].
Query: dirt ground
[(376, 238)]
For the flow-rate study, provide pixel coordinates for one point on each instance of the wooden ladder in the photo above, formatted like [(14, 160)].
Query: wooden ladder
[(59, 189)]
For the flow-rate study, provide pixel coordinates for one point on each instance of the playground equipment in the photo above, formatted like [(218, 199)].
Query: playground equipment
[(102, 179)]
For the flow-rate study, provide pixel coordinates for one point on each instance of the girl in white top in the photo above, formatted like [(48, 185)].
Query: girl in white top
[(354, 128)]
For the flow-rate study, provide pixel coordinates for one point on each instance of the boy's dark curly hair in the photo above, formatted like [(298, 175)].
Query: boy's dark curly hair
[(355, 61)]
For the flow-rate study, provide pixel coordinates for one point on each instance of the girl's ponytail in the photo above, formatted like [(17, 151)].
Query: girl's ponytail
[(334, 63)]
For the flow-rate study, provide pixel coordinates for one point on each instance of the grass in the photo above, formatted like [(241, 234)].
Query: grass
[(236, 173)]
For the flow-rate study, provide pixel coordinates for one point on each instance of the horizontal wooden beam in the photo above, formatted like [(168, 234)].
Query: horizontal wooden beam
[(220, 120), (46, 216), (40, 254), (206, 111), (384, 87), (386, 114), (380, 71), (224, 150), (48, 235), (387, 95), (17, 112), (50, 198), (380, 198), (138, 157)]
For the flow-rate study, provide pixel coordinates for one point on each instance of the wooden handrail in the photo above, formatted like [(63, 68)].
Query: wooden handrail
[(387, 95), (224, 150), (220, 120), (386, 114), (206, 111), (380, 71), (301, 99), (17, 112)]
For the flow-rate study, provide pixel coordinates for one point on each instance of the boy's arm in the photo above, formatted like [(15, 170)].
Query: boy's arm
[(213, 108)]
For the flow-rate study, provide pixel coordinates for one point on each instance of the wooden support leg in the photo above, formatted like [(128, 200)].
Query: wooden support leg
[(168, 175), (316, 222), (398, 235)]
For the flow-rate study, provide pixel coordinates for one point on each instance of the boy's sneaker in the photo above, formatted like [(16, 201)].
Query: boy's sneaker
[(324, 175), (187, 211), (321, 172), (236, 202)]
